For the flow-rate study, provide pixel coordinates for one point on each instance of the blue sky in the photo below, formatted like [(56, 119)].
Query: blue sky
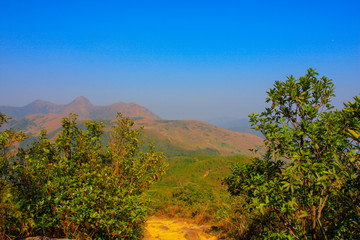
[(180, 59)]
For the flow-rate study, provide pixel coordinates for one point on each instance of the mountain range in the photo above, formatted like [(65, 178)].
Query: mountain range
[(173, 137), (82, 107)]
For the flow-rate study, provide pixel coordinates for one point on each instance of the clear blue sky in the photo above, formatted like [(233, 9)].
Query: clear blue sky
[(180, 59)]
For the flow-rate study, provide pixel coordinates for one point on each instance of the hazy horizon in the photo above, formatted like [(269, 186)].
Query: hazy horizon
[(198, 60)]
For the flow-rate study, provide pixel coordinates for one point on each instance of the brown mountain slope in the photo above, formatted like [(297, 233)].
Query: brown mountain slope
[(37, 106), (131, 110), (174, 138), (82, 107), (197, 135)]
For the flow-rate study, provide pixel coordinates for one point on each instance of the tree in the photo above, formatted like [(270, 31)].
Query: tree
[(78, 188), (307, 184), (8, 210)]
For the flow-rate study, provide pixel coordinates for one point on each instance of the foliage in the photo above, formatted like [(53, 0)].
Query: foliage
[(171, 150), (191, 193), (8, 210), (191, 189), (307, 186), (77, 188)]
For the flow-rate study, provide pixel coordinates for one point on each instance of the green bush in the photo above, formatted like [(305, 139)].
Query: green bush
[(192, 193), (307, 186), (9, 211), (191, 188), (77, 188)]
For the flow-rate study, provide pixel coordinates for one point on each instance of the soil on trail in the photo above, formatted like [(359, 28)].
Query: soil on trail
[(173, 229)]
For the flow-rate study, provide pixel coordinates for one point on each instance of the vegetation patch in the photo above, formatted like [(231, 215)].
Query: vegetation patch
[(307, 185), (191, 188), (75, 187)]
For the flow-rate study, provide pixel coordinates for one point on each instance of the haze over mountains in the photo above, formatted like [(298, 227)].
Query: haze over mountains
[(173, 137), (82, 107), (242, 125)]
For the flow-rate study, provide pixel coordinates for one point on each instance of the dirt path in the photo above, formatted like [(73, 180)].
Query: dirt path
[(172, 229)]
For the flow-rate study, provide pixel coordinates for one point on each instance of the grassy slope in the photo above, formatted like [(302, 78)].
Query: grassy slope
[(192, 188)]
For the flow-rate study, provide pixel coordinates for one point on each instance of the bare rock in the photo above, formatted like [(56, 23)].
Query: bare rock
[(192, 235), (205, 227), (147, 236), (164, 227)]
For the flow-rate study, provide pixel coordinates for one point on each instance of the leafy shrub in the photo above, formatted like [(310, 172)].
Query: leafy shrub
[(192, 193), (77, 188), (9, 211), (307, 186)]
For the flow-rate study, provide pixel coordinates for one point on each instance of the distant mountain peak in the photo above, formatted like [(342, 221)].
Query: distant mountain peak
[(81, 100), (39, 103)]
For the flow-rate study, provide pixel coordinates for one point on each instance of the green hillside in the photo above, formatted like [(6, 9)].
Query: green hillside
[(192, 188)]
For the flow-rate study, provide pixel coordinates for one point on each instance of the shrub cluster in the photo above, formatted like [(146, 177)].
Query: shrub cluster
[(75, 187), (307, 186)]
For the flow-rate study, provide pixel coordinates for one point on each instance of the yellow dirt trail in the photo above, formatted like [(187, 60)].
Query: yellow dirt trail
[(171, 229)]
